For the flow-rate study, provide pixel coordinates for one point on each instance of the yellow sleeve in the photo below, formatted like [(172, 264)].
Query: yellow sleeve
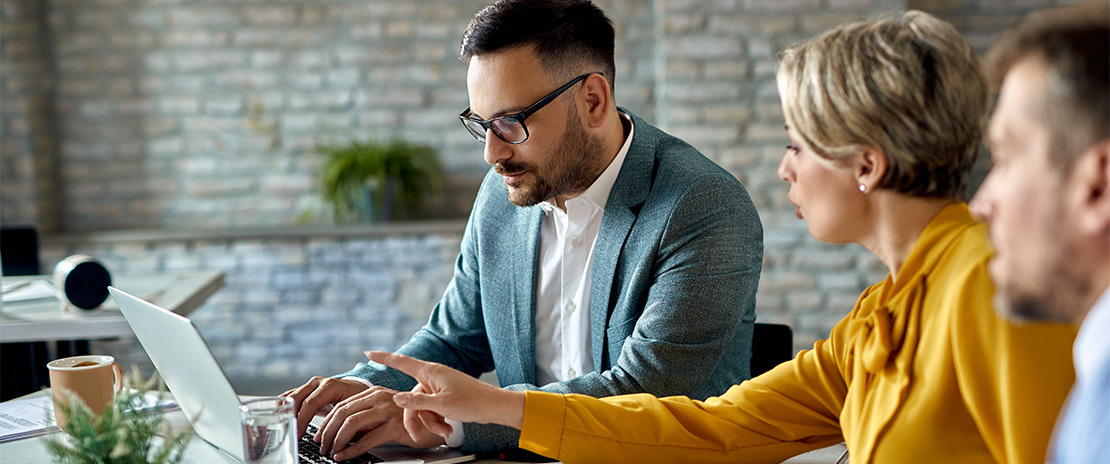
[(791, 409), (1014, 376)]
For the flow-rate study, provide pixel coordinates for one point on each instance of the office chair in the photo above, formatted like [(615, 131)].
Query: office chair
[(772, 344), (24, 368), (19, 250)]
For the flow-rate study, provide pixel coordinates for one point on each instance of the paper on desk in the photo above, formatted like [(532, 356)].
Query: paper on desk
[(33, 415), (37, 289)]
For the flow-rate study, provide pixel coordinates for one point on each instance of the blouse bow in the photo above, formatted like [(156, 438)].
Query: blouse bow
[(883, 331)]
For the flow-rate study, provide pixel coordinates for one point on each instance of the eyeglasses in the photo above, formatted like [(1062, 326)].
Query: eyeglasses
[(510, 127)]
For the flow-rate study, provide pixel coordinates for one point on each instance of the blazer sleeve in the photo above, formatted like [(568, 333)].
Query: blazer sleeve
[(789, 410), (693, 336), (455, 334)]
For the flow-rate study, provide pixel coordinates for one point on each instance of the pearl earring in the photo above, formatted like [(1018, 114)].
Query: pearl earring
[(862, 188)]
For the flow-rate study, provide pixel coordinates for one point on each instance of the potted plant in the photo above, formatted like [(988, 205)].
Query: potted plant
[(124, 433), (371, 181)]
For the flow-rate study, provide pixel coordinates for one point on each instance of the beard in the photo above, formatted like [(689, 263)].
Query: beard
[(570, 169), (1023, 307), (1054, 292)]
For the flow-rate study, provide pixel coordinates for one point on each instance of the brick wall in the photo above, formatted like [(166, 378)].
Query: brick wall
[(27, 130), (175, 114), (205, 114)]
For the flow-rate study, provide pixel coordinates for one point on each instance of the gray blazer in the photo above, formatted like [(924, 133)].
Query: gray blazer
[(675, 271)]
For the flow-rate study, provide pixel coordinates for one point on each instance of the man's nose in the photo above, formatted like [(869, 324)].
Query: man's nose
[(497, 150), (980, 204)]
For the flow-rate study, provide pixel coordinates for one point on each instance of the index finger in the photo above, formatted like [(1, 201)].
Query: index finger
[(411, 366)]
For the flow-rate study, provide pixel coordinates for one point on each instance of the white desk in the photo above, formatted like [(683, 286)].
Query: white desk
[(200, 452), (42, 320)]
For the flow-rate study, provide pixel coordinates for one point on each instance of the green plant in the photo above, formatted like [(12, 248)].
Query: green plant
[(379, 181), (124, 433)]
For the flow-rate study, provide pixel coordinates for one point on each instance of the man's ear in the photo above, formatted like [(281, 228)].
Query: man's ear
[(870, 167), (1090, 180), (597, 101)]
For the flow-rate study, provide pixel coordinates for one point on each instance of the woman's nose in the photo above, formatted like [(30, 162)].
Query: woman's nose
[(786, 171)]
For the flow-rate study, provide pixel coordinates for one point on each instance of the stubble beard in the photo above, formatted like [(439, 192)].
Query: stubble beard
[(1053, 293), (571, 169)]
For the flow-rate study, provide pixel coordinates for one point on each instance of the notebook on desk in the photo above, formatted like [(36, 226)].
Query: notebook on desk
[(205, 395)]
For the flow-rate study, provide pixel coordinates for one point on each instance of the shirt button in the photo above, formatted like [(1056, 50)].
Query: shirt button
[(571, 373), (571, 307), (575, 241)]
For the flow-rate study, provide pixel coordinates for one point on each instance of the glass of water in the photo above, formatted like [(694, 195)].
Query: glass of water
[(269, 430)]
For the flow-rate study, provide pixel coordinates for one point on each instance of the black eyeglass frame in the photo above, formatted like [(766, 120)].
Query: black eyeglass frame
[(487, 125)]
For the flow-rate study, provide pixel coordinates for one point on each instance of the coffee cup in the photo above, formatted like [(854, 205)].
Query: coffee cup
[(94, 379)]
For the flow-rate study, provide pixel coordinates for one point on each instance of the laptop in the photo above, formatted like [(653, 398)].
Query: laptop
[(206, 396)]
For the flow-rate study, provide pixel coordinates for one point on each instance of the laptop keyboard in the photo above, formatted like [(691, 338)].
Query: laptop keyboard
[(308, 452)]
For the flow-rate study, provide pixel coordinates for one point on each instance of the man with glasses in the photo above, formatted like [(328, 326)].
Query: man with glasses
[(602, 255), (1047, 199)]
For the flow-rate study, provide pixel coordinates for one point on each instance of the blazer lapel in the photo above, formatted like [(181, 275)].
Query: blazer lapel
[(524, 289), (629, 192)]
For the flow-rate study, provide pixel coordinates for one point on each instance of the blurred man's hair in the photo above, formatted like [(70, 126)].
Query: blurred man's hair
[(1073, 45), (570, 37)]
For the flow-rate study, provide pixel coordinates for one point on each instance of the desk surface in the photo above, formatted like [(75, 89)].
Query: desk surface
[(39, 320), (200, 452)]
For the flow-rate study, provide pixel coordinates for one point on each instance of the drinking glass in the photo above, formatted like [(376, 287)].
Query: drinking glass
[(269, 430)]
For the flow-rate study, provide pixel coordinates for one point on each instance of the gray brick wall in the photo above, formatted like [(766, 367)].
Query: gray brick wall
[(27, 131), (181, 114), (204, 114)]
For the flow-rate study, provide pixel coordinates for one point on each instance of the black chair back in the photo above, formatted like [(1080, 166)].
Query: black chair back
[(19, 250), (24, 368), (772, 344)]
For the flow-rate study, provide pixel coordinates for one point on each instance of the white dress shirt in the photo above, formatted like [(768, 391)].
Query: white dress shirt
[(567, 240), (1092, 346), (1082, 433)]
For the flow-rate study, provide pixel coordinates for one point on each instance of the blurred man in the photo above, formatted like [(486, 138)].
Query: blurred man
[(602, 255), (1048, 201)]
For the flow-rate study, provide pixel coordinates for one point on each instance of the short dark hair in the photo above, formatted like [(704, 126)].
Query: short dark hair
[(570, 37), (1073, 44)]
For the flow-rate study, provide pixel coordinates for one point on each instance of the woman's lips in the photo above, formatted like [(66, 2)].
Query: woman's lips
[(797, 209)]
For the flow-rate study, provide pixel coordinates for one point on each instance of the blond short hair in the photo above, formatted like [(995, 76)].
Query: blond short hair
[(908, 85)]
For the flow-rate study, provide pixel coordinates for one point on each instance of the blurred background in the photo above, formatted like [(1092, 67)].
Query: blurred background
[(181, 135)]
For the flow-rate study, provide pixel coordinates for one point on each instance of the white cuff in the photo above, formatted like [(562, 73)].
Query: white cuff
[(360, 379), (455, 439)]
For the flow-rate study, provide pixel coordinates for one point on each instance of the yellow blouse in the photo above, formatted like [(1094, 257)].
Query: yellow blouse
[(921, 370)]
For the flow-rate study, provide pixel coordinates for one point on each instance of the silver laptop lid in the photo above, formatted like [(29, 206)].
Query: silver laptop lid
[(189, 370), (203, 391)]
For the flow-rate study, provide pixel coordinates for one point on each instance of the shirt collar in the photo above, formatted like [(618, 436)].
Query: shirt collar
[(598, 192), (1092, 346)]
